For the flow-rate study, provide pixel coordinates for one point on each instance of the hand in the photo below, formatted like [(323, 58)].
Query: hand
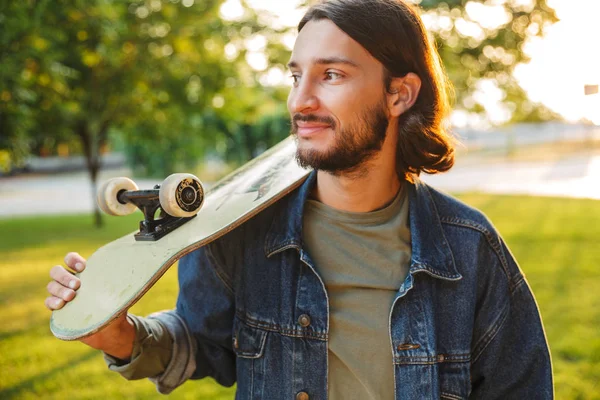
[(64, 284), (116, 338)]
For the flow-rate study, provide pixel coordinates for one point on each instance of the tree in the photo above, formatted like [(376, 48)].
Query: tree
[(20, 82), (481, 41), (151, 70)]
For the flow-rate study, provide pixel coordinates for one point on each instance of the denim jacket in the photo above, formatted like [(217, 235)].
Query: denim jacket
[(252, 309)]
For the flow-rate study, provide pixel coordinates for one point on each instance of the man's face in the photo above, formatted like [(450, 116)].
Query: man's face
[(337, 102)]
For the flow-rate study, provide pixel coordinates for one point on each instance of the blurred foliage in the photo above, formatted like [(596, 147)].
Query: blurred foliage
[(156, 70), (163, 74), (484, 40)]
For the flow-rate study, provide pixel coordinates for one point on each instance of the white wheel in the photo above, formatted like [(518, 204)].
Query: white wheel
[(107, 196), (181, 195)]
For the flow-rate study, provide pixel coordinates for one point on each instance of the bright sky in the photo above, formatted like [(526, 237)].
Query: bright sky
[(562, 62), (565, 60)]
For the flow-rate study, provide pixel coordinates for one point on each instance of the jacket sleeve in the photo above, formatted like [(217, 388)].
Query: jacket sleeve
[(152, 350), (512, 360), (206, 307), (193, 341)]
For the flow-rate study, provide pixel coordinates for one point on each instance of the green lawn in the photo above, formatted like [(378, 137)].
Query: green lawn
[(557, 243)]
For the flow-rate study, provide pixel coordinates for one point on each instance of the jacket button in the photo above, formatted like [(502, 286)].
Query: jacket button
[(235, 342), (302, 396), (304, 321)]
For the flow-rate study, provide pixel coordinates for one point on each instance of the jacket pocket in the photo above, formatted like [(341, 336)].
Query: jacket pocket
[(248, 342), (454, 378), (249, 346), (434, 377)]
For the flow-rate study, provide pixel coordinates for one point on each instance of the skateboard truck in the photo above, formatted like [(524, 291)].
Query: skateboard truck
[(151, 228), (178, 199)]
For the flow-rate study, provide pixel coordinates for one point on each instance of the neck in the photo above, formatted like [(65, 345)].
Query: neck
[(374, 187)]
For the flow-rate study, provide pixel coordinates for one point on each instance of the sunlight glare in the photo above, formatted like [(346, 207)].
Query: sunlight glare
[(231, 10), (287, 12), (564, 61), (488, 16)]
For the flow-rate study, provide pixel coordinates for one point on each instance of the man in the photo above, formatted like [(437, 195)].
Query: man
[(364, 283)]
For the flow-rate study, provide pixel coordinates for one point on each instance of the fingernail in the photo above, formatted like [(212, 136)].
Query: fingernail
[(72, 284), (79, 266), (57, 302)]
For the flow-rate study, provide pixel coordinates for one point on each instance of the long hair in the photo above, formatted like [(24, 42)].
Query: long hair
[(394, 34)]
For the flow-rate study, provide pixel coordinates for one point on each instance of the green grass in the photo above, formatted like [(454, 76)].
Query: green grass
[(556, 241)]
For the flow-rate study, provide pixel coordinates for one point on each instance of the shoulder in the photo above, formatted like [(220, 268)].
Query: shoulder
[(246, 242), (455, 212), (471, 233)]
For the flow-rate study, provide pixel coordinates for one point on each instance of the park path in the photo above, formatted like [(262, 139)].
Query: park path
[(576, 175), (37, 194)]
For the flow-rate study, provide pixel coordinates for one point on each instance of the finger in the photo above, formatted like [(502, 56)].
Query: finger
[(75, 261), (64, 277), (59, 291), (54, 303)]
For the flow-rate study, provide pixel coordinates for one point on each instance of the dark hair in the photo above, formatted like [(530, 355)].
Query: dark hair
[(393, 33)]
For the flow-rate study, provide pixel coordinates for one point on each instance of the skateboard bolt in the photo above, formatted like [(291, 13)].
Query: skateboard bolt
[(188, 195), (304, 320)]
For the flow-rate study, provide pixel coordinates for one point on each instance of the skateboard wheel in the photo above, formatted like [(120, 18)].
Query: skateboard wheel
[(181, 195), (107, 196)]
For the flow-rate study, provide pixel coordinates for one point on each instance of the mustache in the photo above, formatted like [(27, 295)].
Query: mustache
[(312, 118)]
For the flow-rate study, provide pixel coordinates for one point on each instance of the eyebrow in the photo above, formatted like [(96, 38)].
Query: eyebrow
[(327, 61)]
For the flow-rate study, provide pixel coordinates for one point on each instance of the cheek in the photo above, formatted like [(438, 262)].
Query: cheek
[(358, 102), (344, 109)]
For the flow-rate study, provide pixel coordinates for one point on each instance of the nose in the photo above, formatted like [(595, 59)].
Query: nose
[(302, 98)]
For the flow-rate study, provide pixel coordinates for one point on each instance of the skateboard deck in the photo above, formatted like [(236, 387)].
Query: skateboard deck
[(118, 274)]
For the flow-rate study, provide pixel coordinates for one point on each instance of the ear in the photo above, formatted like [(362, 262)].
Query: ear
[(403, 93)]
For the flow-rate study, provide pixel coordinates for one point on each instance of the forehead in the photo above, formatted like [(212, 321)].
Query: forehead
[(322, 39)]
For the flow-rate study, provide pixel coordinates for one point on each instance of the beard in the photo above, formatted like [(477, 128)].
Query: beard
[(353, 146)]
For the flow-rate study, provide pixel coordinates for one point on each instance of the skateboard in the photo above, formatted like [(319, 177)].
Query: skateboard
[(179, 217)]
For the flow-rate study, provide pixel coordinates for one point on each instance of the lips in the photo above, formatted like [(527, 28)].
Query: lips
[(306, 129)]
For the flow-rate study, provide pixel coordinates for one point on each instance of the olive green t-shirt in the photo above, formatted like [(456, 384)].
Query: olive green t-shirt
[(363, 258)]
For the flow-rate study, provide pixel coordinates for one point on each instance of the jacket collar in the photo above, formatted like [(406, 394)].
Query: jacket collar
[(431, 252)]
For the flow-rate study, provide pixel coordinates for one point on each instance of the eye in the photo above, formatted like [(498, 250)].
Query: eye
[(295, 79), (332, 76)]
